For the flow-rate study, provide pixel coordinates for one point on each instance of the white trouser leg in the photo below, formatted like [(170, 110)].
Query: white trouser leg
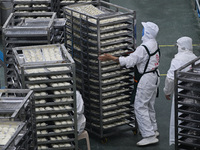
[(144, 106), (152, 112)]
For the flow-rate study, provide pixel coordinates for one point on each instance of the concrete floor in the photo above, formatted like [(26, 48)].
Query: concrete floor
[(175, 18)]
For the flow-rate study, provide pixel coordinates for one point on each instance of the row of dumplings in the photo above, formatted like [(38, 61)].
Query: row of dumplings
[(55, 138), (48, 108), (55, 130), (41, 147), (46, 78), (52, 116), (6, 132)]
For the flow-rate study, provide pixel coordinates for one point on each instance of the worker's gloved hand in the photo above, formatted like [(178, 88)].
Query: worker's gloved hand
[(106, 57), (167, 97)]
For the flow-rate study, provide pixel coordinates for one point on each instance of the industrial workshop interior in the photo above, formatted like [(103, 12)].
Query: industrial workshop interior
[(58, 93)]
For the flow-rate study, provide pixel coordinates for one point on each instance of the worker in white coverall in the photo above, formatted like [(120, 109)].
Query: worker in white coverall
[(184, 55), (81, 121), (146, 59)]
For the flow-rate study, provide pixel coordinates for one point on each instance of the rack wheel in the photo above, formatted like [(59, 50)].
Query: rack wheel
[(104, 140)]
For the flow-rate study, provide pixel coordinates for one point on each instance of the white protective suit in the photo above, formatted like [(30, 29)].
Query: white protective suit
[(184, 55), (147, 86), (80, 110)]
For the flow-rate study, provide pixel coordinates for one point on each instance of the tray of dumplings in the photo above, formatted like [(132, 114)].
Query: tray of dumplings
[(48, 110), (107, 81), (49, 79), (56, 124), (53, 93), (43, 119), (92, 30), (110, 113), (91, 14), (111, 35), (9, 131), (94, 54), (109, 120), (112, 87), (112, 125), (40, 54), (50, 86), (35, 7), (105, 35), (108, 42), (110, 93), (112, 100), (58, 142), (58, 146), (56, 131), (104, 49), (54, 101), (111, 106)]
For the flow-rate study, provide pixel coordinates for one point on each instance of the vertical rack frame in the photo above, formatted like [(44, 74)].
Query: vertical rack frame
[(187, 105)]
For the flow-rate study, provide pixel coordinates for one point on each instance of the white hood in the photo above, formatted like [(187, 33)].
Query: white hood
[(150, 30), (184, 44), (185, 49)]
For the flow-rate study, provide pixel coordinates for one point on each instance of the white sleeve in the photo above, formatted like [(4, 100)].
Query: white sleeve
[(81, 120), (134, 58), (169, 86), (175, 64), (79, 103)]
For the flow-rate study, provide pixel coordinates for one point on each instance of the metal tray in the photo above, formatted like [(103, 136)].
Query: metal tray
[(189, 126), (54, 119), (189, 118), (187, 142)]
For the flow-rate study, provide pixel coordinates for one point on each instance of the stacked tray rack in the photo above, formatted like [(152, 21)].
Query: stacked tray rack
[(187, 106), (24, 29), (17, 107), (93, 29), (49, 70)]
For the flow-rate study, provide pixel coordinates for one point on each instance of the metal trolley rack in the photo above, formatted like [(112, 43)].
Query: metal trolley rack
[(105, 86), (24, 29), (49, 70), (17, 107), (187, 106)]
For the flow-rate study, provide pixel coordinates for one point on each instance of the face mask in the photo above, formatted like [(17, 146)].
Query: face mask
[(143, 32)]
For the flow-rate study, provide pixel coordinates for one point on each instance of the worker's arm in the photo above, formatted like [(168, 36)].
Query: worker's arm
[(106, 57)]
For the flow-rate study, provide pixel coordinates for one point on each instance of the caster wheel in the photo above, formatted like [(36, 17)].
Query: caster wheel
[(104, 140)]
